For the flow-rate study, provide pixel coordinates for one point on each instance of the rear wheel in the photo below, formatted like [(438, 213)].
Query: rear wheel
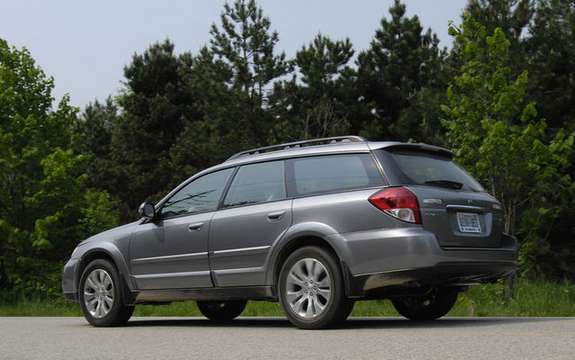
[(221, 310), (101, 295), (311, 289), (435, 304)]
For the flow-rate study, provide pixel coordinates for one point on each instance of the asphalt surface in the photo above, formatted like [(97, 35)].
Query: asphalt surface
[(274, 338)]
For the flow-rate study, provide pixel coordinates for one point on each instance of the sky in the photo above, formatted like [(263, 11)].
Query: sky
[(85, 45)]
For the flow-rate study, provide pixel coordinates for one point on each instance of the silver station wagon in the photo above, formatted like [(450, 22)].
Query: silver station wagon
[(315, 225)]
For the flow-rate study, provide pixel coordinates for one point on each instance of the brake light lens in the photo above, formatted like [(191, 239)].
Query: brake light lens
[(398, 202)]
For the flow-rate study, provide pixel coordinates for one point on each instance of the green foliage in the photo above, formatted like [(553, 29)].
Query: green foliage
[(246, 48), (244, 43), (316, 102), (551, 54), (508, 113), (43, 181), (402, 64), (498, 136), (533, 298), (511, 16), (155, 105)]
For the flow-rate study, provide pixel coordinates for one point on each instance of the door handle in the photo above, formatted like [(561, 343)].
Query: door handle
[(195, 226), (275, 215)]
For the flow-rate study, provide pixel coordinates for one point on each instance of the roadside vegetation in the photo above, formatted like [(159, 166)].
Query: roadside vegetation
[(501, 96), (532, 298)]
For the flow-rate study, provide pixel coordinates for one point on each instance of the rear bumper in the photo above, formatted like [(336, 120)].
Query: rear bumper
[(392, 283), (412, 257)]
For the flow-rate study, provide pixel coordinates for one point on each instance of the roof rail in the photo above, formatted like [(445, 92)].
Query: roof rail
[(297, 144)]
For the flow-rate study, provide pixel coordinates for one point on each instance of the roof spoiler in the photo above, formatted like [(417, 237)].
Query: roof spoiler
[(430, 149)]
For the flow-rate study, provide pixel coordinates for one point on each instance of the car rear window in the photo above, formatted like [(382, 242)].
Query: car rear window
[(424, 169), (330, 173)]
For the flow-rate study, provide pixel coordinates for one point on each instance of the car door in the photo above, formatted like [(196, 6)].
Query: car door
[(171, 252), (254, 214)]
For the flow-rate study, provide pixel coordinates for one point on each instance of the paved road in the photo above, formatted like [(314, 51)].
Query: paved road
[(274, 338)]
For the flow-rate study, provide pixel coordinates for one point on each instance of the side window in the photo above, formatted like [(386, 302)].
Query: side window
[(328, 173), (202, 194), (257, 183)]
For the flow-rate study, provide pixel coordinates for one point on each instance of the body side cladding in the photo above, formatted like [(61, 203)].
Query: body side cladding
[(109, 250), (211, 294), (297, 236)]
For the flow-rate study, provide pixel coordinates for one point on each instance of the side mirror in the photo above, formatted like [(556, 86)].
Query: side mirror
[(147, 210)]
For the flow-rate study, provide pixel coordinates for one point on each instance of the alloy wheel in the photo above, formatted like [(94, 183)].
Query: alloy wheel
[(308, 288), (99, 293)]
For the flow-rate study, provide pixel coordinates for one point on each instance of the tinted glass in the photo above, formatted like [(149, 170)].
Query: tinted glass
[(257, 183), (421, 168), (334, 172), (202, 194)]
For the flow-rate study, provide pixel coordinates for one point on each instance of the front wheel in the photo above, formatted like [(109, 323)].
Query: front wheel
[(311, 289), (435, 304), (101, 295), (221, 310)]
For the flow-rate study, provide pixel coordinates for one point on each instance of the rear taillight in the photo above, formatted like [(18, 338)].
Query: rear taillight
[(398, 202)]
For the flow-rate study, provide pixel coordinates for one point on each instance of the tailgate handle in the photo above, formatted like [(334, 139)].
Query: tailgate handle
[(466, 208)]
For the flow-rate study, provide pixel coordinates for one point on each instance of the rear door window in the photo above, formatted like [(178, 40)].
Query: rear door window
[(331, 173), (257, 183)]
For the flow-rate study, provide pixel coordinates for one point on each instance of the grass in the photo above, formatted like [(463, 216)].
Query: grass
[(532, 298)]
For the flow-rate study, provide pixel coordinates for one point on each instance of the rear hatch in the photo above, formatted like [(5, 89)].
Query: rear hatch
[(452, 204)]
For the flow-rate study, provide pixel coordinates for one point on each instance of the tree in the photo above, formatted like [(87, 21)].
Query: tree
[(551, 61), (45, 205), (156, 103), (246, 47), (401, 61), (316, 101), (213, 133), (93, 138), (497, 135), (511, 16)]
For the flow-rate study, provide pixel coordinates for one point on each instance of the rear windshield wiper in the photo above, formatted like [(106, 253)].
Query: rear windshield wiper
[(445, 183)]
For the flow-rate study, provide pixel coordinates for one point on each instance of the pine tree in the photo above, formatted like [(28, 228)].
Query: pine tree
[(245, 45), (401, 61), (155, 104), (551, 61), (93, 137), (315, 102)]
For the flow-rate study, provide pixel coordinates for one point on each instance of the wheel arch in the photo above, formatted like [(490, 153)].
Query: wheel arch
[(307, 238), (112, 255)]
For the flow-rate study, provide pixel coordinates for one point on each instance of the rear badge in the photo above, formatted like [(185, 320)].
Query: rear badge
[(432, 201)]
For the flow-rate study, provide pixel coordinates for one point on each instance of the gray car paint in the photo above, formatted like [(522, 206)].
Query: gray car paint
[(241, 238), (241, 246), (169, 254)]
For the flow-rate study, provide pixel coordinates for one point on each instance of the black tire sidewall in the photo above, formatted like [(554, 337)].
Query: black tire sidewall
[(442, 304), (338, 306), (119, 313), (233, 309)]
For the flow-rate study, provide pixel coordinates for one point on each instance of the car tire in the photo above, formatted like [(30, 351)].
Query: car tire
[(437, 303), (221, 311), (101, 295), (312, 290)]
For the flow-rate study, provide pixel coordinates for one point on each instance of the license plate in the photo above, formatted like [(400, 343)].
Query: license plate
[(468, 222)]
